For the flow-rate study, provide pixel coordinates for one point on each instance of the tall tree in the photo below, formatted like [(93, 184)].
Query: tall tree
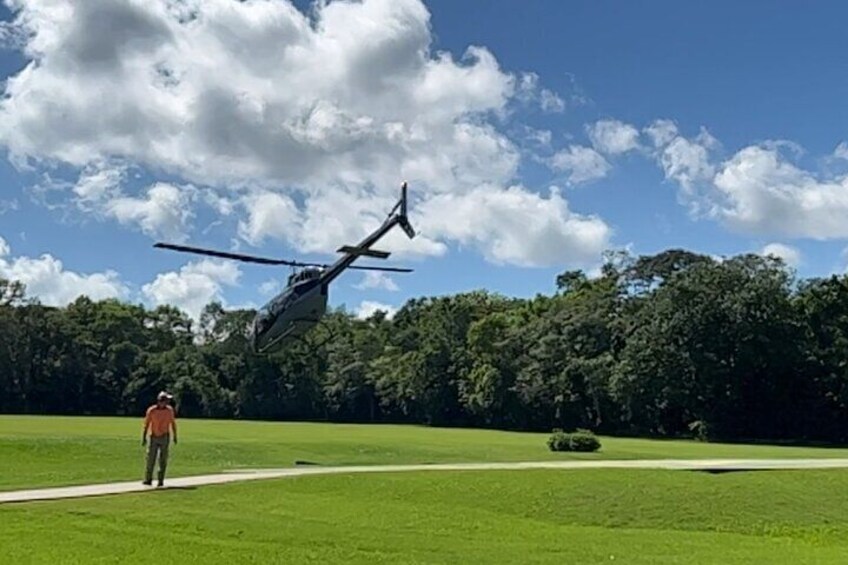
[(717, 348)]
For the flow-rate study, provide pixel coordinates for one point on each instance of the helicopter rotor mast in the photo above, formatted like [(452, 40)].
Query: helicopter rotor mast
[(396, 217)]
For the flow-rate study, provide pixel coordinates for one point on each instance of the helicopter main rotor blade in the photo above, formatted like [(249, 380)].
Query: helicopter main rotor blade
[(234, 256), (266, 260)]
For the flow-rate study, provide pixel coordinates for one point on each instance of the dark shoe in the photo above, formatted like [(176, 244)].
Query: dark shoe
[(160, 483), (147, 483)]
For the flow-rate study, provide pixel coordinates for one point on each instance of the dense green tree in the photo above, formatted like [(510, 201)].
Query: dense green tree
[(823, 305), (564, 372), (716, 348), (487, 390)]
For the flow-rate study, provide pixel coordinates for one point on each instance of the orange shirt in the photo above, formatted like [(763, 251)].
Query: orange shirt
[(159, 420)]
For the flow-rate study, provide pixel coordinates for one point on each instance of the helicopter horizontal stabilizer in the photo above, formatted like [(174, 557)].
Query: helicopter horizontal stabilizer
[(364, 251)]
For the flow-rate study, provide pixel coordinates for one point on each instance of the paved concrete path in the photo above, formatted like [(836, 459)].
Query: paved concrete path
[(258, 474)]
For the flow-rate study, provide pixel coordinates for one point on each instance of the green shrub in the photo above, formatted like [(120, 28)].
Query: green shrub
[(559, 441), (580, 440), (585, 441)]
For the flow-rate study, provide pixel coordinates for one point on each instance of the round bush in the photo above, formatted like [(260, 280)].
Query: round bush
[(581, 440), (559, 441), (584, 441)]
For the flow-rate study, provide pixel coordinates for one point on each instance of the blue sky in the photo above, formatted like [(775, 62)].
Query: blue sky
[(753, 94)]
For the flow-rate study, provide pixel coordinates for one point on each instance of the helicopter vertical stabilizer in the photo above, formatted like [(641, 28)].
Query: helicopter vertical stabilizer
[(403, 219)]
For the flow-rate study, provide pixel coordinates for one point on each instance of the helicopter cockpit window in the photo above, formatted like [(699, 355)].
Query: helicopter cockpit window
[(263, 319), (302, 276)]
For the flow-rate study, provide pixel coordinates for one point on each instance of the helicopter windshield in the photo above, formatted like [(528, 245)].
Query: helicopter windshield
[(264, 317), (304, 275)]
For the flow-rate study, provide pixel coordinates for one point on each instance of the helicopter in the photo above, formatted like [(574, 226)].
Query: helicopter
[(301, 305)]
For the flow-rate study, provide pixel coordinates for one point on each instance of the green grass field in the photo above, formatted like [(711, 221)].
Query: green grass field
[(583, 516), (47, 451)]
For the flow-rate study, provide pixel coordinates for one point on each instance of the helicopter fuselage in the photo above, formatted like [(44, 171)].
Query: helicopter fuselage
[(292, 313)]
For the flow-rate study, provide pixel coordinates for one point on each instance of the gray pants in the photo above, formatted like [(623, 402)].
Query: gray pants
[(157, 445)]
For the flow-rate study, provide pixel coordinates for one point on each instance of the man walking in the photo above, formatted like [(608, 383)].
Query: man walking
[(159, 420)]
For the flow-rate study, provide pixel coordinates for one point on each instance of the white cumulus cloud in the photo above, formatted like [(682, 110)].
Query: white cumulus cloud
[(760, 191), (194, 286), (757, 190), (582, 164), (528, 91), (98, 182), (304, 124), (790, 255), (220, 91), (47, 279), (613, 137), (270, 214), (159, 210), (518, 227), (163, 210), (377, 280), (368, 308), (689, 162), (661, 132)]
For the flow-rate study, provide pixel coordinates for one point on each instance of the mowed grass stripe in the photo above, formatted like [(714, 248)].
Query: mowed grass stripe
[(629, 516)]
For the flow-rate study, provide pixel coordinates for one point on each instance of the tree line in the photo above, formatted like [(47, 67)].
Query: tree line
[(667, 345)]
